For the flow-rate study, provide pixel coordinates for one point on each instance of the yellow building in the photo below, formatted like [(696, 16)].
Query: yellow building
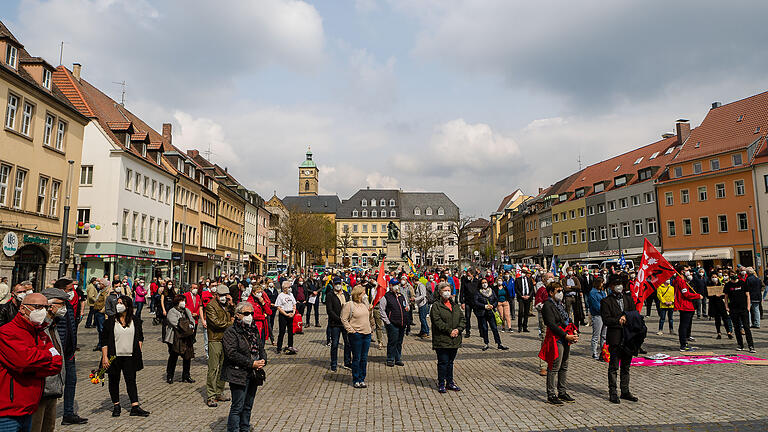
[(308, 176), (569, 228), (40, 149), (361, 225)]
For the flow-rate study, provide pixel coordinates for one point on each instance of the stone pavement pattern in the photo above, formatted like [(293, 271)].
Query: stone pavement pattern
[(500, 390)]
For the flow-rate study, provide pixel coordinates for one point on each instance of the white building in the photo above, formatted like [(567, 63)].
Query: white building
[(437, 210)]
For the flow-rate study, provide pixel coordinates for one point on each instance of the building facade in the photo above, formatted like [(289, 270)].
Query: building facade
[(434, 213), (361, 225)]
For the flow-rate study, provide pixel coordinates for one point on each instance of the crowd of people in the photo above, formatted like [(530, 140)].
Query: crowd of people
[(235, 316)]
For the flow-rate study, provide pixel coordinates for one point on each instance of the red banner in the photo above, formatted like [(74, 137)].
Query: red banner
[(382, 284), (654, 270)]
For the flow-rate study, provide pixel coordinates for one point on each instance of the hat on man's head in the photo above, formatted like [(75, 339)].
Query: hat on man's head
[(63, 282), (336, 281), (55, 293), (222, 289)]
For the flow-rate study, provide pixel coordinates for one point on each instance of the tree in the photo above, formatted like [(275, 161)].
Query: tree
[(460, 229), (311, 234), (423, 238), (343, 243)]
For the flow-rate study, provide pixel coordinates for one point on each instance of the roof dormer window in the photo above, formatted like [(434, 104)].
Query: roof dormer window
[(374, 213), (429, 211), (373, 203), (580, 193), (383, 203), (144, 149), (364, 203), (440, 211), (180, 165), (391, 203), (157, 158), (354, 213), (563, 197), (127, 141), (11, 56), (47, 78), (620, 181), (417, 211), (365, 213)]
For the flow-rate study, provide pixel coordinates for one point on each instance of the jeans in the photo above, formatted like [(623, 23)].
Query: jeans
[(395, 337), (741, 321), (89, 320), (598, 335), (559, 370), (335, 333), (242, 403), (445, 358), (70, 382), (423, 314), (139, 307), (98, 318), (754, 312), (684, 330), (360, 343), (619, 355), (665, 312), (16, 424), (488, 320)]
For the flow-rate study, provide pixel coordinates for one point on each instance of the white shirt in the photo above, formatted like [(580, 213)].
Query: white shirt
[(124, 339), (285, 301)]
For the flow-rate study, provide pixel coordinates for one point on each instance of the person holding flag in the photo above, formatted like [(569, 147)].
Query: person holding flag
[(684, 297)]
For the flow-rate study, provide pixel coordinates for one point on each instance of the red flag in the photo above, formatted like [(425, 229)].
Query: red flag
[(654, 270), (382, 288)]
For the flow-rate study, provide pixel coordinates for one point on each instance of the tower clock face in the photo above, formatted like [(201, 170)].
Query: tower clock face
[(307, 172)]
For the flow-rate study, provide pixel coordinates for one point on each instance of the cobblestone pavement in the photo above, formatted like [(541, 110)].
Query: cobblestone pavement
[(500, 390)]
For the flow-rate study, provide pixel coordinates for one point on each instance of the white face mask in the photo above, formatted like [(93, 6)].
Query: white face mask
[(222, 299), (38, 316), (618, 289), (120, 308), (247, 320), (20, 296), (445, 294), (71, 295), (395, 289), (337, 287), (550, 280), (62, 312), (258, 295), (194, 291), (559, 296), (570, 273), (182, 304)]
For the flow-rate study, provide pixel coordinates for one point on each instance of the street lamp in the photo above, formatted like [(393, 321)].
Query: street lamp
[(183, 243), (65, 224), (754, 246)]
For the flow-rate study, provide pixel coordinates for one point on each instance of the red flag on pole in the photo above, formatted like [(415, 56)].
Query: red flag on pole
[(382, 282), (654, 270)]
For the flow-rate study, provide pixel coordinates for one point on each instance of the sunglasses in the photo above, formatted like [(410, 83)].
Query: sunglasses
[(246, 313)]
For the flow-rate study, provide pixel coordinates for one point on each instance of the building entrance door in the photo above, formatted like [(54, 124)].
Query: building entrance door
[(30, 265)]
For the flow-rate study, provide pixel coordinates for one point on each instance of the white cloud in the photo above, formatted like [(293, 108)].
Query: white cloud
[(544, 123), (371, 85), (459, 144), (380, 181)]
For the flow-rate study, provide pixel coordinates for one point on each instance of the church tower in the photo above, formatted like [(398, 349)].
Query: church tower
[(308, 176)]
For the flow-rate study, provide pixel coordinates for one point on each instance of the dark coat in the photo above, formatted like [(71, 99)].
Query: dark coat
[(7, 312), (333, 308), (553, 320), (519, 287), (444, 321), (67, 328), (138, 336), (610, 312), (237, 367), (468, 290), (481, 301)]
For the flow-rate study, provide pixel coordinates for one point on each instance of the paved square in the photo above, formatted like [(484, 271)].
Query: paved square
[(500, 391)]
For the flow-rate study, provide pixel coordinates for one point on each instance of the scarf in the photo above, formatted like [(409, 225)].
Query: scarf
[(561, 309), (251, 333)]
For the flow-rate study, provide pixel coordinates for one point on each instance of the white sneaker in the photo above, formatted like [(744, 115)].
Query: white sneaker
[(659, 333)]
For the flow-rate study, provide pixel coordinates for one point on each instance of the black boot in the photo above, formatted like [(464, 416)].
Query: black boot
[(116, 411), (136, 411)]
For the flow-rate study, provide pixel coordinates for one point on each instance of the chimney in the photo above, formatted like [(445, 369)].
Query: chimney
[(192, 153), (225, 169), (716, 105), (683, 130), (541, 189), (167, 132), (76, 67)]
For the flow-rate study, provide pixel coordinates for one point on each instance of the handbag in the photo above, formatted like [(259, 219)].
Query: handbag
[(185, 327), (496, 315)]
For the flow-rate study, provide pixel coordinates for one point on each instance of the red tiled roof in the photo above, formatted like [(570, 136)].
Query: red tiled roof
[(119, 125), (727, 128), (505, 201), (66, 84), (140, 136)]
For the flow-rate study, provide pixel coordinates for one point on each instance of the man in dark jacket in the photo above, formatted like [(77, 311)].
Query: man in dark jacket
[(699, 284), (312, 293), (394, 309), (755, 289), (333, 304), (613, 310), (525, 290), (469, 287), (67, 328), (9, 310)]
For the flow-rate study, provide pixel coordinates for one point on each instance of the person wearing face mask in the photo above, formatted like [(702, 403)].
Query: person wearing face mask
[(312, 292), (140, 296), (448, 323), (684, 297), (271, 292), (262, 309), (334, 304), (486, 302), (665, 293), (286, 308), (614, 310), (371, 287), (299, 291), (153, 286), (754, 286), (509, 285), (243, 367), (594, 301), (115, 291), (572, 289), (699, 285), (525, 293), (469, 287), (355, 316), (503, 306), (193, 302), (737, 299), (556, 346), (541, 296), (9, 310), (124, 338), (717, 306), (422, 304), (28, 357), (166, 304), (219, 314), (180, 339), (393, 312)]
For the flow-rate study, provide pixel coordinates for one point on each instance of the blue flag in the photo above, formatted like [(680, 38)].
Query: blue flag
[(554, 265), (622, 261)]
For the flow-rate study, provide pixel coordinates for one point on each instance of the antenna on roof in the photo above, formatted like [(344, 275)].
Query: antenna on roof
[(208, 152), (61, 54), (579, 159), (122, 91)]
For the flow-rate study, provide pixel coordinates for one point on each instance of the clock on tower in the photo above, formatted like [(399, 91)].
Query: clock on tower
[(308, 176)]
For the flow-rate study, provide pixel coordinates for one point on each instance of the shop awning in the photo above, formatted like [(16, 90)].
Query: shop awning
[(679, 255), (257, 258), (714, 253)]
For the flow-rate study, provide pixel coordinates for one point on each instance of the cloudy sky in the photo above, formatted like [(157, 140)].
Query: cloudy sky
[(473, 98)]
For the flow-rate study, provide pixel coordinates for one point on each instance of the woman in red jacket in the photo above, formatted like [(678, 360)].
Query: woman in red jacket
[(262, 310), (684, 297)]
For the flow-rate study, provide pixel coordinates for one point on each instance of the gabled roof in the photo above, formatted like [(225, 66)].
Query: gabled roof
[(5, 33), (507, 199), (322, 204), (478, 223), (729, 127)]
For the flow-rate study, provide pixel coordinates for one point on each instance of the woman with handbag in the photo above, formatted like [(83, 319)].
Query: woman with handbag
[(141, 293), (486, 302), (180, 339), (123, 340), (244, 360)]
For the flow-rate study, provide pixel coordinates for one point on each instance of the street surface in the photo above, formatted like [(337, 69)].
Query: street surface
[(500, 390)]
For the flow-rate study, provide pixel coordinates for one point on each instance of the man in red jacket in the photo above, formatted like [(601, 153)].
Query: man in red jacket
[(684, 297), (27, 356)]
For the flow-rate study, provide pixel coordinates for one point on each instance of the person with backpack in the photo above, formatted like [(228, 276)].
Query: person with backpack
[(423, 301)]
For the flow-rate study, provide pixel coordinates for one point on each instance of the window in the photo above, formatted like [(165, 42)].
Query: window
[(565, 238), (599, 187), (354, 228), (47, 79), (651, 223), (554, 217), (5, 173), (611, 205), (49, 120), (625, 230), (417, 211), (18, 188), (53, 203), (143, 233), (10, 114), (128, 178), (563, 216), (583, 235), (365, 228), (86, 175), (137, 185), (638, 227), (83, 221), (697, 168), (704, 225), (579, 193), (383, 228), (614, 231), (167, 194), (364, 203), (42, 190), (720, 190), (364, 213), (620, 181), (429, 211), (154, 189), (739, 187), (671, 228), (392, 213), (684, 196), (373, 228), (635, 200), (714, 164), (61, 130), (678, 171), (557, 240), (374, 213), (11, 55), (391, 203), (601, 208), (702, 193), (572, 214), (722, 223), (373, 202), (590, 210), (592, 234), (623, 203), (581, 212), (743, 224), (440, 211), (151, 229), (687, 227), (649, 197), (573, 237), (736, 159), (603, 232), (146, 186), (562, 197), (26, 118), (645, 174), (125, 224), (165, 233), (134, 225), (653, 156), (640, 159), (382, 203)]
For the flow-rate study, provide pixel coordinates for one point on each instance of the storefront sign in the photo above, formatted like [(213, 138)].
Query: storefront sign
[(609, 252), (35, 239), (10, 243), (214, 257), (150, 252)]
